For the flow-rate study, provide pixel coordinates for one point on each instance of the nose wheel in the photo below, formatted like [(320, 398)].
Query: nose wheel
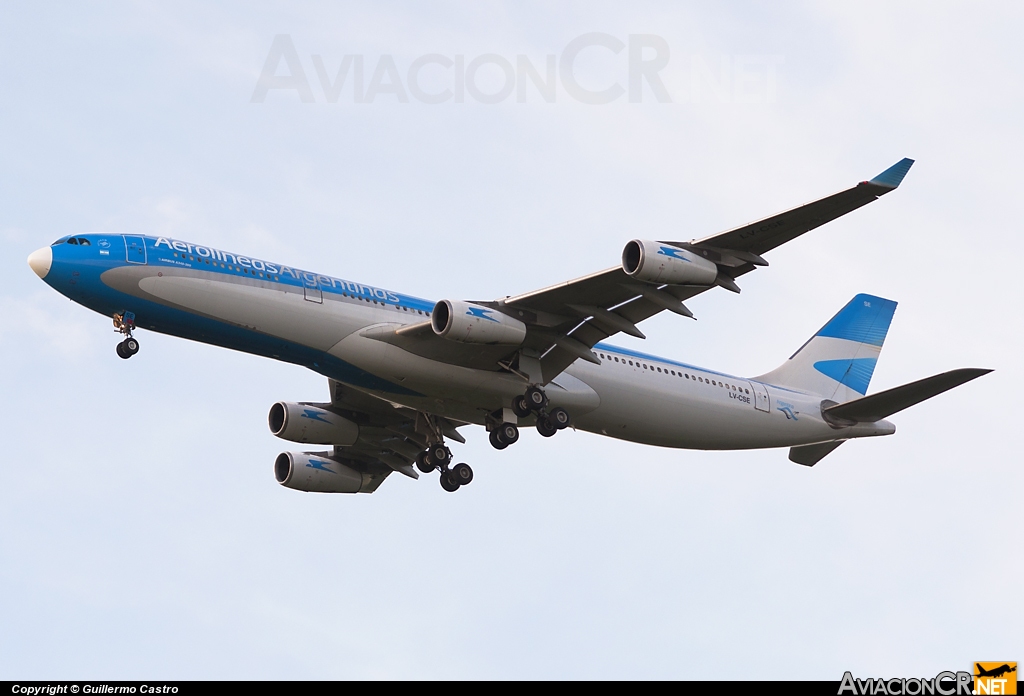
[(124, 323), (127, 348)]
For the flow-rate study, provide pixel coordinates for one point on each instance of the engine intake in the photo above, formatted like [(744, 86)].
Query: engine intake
[(654, 262), (311, 424), (315, 472), (465, 322)]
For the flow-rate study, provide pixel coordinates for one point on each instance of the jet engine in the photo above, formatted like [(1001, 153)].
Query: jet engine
[(469, 323), (654, 262), (315, 472), (310, 424)]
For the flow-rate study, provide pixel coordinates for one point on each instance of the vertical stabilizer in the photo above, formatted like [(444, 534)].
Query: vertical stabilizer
[(838, 361)]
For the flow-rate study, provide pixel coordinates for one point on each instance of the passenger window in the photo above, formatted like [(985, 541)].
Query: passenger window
[(72, 240), (84, 242)]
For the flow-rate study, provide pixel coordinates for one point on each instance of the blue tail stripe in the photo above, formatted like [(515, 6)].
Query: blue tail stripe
[(865, 319), (854, 373)]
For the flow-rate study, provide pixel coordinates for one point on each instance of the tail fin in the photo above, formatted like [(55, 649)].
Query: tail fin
[(838, 361)]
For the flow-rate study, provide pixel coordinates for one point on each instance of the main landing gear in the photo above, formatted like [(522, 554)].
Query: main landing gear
[(534, 401), (124, 323), (438, 456)]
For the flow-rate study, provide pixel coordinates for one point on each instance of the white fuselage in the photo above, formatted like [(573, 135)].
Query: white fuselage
[(628, 396)]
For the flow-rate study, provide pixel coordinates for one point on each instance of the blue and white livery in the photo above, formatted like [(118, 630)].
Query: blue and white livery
[(406, 374)]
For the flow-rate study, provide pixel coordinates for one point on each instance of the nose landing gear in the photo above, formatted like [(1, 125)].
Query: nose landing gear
[(124, 323), (127, 348)]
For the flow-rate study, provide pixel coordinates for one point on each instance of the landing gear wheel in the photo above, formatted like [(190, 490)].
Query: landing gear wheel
[(520, 406), (535, 398), (496, 442), (508, 433), (545, 427), (429, 461), (461, 474), (440, 454), (425, 463), (448, 484), (119, 349), (559, 417), (130, 346)]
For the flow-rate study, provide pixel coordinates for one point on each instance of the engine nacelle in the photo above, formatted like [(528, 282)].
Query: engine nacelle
[(311, 425), (469, 323), (654, 262), (316, 473)]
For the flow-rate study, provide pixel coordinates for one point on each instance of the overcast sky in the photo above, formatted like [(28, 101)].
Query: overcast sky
[(143, 534)]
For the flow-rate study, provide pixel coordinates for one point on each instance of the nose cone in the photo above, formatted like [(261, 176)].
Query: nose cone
[(40, 261)]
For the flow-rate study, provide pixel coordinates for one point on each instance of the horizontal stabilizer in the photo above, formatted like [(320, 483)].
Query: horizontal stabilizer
[(870, 409), (809, 455)]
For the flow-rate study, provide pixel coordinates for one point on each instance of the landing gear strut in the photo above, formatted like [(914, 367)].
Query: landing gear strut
[(438, 456), (124, 323)]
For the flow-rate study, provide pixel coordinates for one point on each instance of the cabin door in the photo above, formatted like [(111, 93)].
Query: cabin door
[(761, 402), (135, 249), (311, 289)]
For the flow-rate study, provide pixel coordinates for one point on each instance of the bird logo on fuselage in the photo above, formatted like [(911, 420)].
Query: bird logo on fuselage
[(787, 409)]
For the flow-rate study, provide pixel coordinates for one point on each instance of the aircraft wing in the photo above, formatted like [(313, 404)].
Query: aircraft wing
[(756, 238), (565, 321), (390, 436)]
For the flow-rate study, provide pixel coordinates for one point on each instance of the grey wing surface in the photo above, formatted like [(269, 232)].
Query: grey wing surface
[(390, 435), (565, 321)]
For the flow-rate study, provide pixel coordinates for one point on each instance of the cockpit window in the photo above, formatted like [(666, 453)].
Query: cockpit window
[(84, 242), (60, 241), (72, 240)]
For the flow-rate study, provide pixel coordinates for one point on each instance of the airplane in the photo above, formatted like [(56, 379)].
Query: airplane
[(405, 374), (994, 672)]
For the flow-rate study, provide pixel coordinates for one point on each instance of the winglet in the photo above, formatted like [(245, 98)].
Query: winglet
[(892, 176)]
